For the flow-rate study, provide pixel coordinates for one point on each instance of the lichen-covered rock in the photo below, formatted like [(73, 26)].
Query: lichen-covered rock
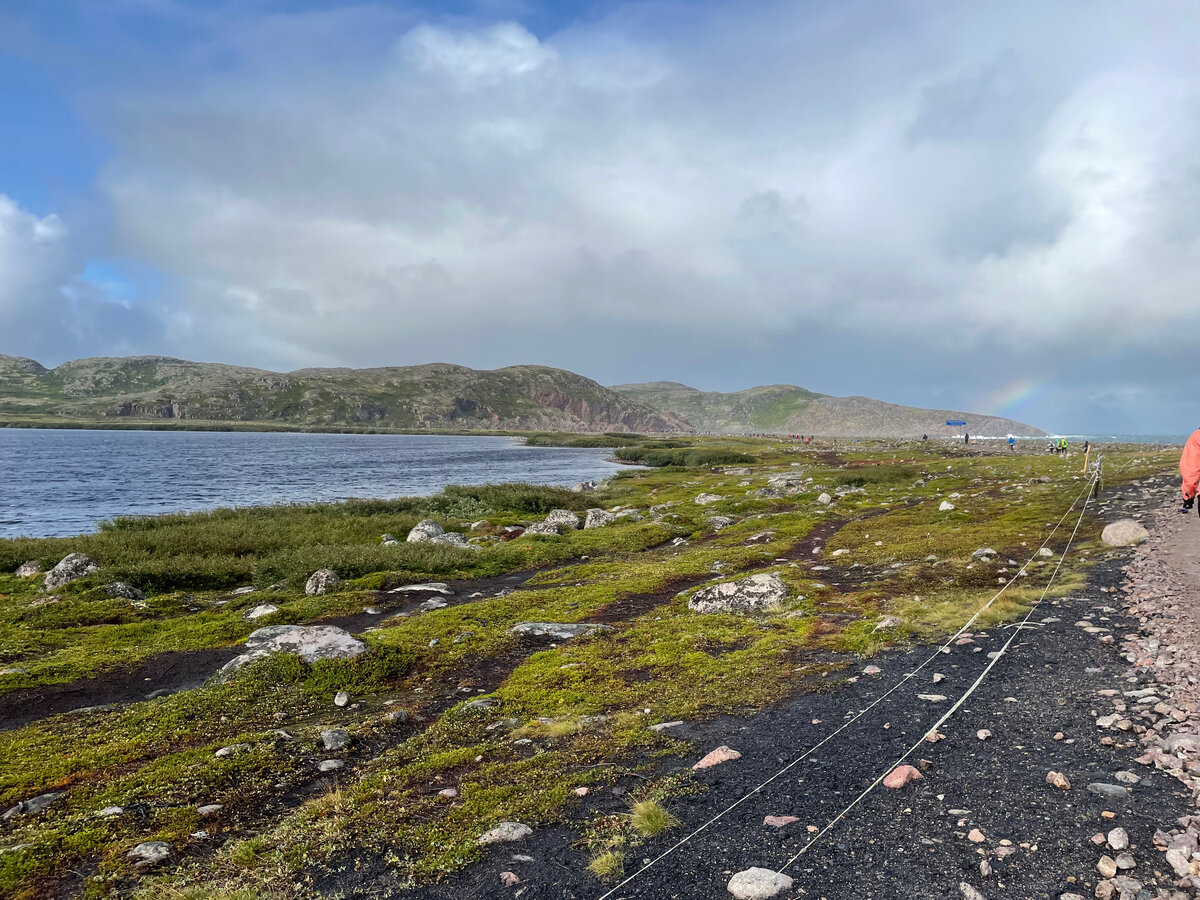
[(321, 582), (757, 592), (29, 569), (561, 631), (149, 853), (309, 642), (425, 531), (716, 523), (262, 611), (70, 568), (32, 805), (124, 590), (563, 518), (1123, 533), (706, 499), (543, 528), (598, 518)]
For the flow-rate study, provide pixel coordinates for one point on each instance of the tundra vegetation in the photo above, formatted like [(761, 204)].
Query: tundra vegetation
[(455, 722)]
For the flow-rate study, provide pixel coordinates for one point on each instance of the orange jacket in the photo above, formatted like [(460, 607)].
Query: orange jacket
[(1189, 465)]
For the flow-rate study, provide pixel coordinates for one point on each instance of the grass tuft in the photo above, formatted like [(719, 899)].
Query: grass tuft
[(650, 818), (608, 866)]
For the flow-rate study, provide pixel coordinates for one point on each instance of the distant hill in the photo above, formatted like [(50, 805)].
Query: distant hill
[(441, 396), (155, 388), (787, 409)]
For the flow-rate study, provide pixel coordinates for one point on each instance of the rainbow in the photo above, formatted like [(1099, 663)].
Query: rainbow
[(1009, 400)]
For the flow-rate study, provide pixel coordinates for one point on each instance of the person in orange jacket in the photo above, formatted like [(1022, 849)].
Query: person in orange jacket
[(1189, 469)]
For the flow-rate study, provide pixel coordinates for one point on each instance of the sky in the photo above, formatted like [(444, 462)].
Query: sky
[(971, 205)]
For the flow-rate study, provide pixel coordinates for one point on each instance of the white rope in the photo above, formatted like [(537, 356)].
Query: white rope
[(958, 703), (848, 722)]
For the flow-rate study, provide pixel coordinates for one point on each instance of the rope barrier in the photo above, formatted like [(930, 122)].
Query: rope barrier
[(850, 721), (957, 704)]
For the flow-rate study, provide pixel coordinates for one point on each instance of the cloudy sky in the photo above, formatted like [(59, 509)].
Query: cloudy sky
[(965, 204)]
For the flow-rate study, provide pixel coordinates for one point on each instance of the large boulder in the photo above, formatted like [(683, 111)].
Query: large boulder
[(425, 532), (321, 582), (1123, 532), (563, 518), (309, 642), (71, 568), (757, 592), (598, 518), (428, 531)]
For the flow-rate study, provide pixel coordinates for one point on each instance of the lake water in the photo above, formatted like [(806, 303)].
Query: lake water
[(63, 482)]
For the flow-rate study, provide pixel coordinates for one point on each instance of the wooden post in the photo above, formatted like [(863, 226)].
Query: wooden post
[(1085, 458)]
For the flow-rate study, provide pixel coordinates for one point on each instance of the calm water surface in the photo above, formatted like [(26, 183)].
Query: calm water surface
[(60, 482)]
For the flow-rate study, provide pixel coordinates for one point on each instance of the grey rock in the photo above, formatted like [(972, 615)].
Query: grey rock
[(210, 809), (504, 833), (124, 590), (1118, 839), (945, 506), (238, 592), (966, 892), (111, 811), (261, 611), (398, 716), (29, 569), (757, 883), (482, 703), (561, 631), (1108, 791), (32, 805), (563, 518), (543, 528), (309, 642), (341, 698), (706, 499), (231, 750), (424, 532), (330, 765), (757, 592), (598, 518), (321, 582), (70, 568), (716, 523), (149, 853), (335, 738), (824, 499), (888, 622), (1123, 533)]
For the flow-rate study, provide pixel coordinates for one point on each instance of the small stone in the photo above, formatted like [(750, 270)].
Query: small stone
[(1107, 867), (110, 811), (335, 738), (721, 755), (341, 698), (504, 833), (779, 821), (210, 809), (976, 836), (149, 853), (938, 677), (758, 884), (983, 734), (1125, 861), (330, 765), (509, 879), (398, 716), (872, 670), (1058, 780), (261, 611), (969, 893), (933, 698), (231, 750), (1108, 791), (448, 793), (33, 805), (1118, 839), (321, 582), (900, 776), (581, 792), (945, 506)]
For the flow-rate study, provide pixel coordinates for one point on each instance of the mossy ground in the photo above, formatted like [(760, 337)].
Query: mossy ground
[(565, 716)]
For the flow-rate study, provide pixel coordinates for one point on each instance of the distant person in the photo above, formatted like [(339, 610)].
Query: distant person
[(1062, 445), (1012, 442), (1189, 469), (967, 439), (924, 438)]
